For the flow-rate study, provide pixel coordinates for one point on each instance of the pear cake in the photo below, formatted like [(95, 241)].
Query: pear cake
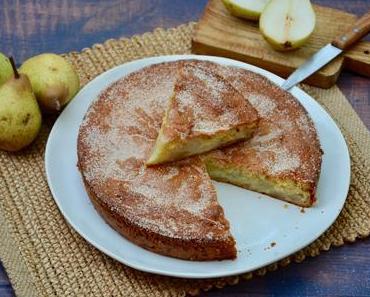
[(205, 112), (172, 208)]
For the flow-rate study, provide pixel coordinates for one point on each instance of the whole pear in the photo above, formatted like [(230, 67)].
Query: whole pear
[(53, 80), (6, 70), (20, 115)]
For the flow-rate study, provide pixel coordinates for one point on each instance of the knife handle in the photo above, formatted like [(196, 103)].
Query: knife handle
[(357, 31)]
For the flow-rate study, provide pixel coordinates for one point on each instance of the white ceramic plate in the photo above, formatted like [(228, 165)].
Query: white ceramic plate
[(257, 221)]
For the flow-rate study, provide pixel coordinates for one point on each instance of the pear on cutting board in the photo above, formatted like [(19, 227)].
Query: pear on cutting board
[(287, 24), (247, 9), (20, 115), (6, 70), (53, 80)]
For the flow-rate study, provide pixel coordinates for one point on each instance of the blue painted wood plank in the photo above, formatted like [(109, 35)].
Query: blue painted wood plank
[(3, 277), (343, 271), (62, 25), (6, 291)]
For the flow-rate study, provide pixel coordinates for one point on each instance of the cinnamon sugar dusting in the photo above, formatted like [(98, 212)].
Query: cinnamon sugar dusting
[(176, 200), (280, 160), (276, 156), (205, 103), (263, 104), (285, 142)]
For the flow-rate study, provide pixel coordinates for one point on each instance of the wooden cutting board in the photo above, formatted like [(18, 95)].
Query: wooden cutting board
[(221, 34)]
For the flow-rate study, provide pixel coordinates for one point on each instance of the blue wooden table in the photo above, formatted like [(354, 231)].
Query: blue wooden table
[(29, 27)]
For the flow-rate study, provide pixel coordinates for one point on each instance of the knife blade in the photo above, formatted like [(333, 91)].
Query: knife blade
[(329, 52)]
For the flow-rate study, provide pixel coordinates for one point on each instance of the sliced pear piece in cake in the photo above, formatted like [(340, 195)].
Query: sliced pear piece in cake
[(205, 112)]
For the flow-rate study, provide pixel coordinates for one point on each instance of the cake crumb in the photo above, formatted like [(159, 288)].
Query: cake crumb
[(302, 210)]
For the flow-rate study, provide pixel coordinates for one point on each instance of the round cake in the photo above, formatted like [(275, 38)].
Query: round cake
[(172, 209)]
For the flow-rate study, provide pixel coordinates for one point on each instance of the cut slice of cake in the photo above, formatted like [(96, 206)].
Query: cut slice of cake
[(283, 158), (205, 112)]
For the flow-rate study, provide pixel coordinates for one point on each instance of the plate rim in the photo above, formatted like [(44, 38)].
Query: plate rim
[(295, 91)]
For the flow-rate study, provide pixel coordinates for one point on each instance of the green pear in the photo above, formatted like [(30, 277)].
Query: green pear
[(247, 9), (287, 24), (53, 80), (6, 70), (20, 115)]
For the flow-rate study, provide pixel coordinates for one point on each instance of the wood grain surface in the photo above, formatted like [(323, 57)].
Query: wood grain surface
[(354, 33), (29, 27), (221, 34)]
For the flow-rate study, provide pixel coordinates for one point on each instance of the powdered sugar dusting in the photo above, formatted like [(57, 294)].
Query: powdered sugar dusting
[(172, 200), (210, 125), (111, 147), (279, 159), (205, 102), (286, 142), (304, 124), (168, 194), (215, 85), (147, 186), (263, 104), (261, 138), (172, 173)]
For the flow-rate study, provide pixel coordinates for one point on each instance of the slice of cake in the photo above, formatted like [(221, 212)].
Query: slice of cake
[(283, 158), (205, 112)]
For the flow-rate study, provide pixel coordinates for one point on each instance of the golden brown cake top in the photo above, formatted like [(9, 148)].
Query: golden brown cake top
[(204, 103), (285, 143), (117, 134), (178, 200)]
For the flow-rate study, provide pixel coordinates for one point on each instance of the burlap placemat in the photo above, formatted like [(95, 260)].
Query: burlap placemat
[(44, 256)]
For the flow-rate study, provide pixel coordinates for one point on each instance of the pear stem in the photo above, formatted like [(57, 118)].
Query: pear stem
[(16, 74)]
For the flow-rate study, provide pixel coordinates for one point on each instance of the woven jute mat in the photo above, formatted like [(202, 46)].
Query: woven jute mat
[(44, 256)]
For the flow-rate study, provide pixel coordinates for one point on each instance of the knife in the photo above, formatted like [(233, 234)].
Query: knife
[(329, 52)]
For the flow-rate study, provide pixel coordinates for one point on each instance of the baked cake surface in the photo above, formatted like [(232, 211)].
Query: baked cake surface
[(283, 159), (205, 112), (171, 209)]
